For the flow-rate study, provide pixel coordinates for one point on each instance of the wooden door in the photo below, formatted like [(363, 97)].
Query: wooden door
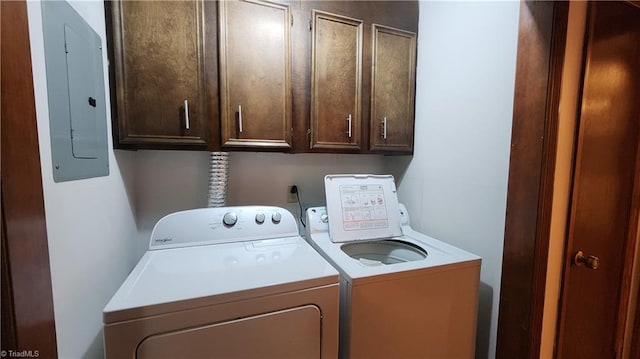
[(604, 209), (392, 90), (28, 324), (255, 74), (336, 81), (159, 73)]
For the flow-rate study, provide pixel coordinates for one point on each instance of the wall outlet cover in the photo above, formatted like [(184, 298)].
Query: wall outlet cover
[(291, 197)]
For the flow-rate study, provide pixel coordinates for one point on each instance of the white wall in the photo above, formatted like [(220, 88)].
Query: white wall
[(455, 185), (90, 223), (169, 181)]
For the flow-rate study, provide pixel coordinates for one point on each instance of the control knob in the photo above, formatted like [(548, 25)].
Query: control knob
[(276, 217), (230, 219), (260, 218)]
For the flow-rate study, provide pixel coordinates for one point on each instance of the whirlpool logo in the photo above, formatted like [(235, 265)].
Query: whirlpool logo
[(162, 240)]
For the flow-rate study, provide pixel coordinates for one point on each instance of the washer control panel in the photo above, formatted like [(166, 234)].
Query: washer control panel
[(222, 225), (318, 219)]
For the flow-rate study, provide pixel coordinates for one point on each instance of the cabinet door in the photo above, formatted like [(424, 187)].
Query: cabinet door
[(159, 74), (255, 88), (392, 90), (336, 82)]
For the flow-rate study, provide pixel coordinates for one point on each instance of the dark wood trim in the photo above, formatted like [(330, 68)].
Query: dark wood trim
[(634, 344), (635, 3), (635, 339), (113, 95), (22, 197), (635, 331), (541, 44), (211, 74), (630, 249), (8, 340), (567, 239), (549, 151), (632, 243)]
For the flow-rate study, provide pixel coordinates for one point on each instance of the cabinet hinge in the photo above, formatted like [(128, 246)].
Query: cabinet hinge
[(310, 24), (291, 19)]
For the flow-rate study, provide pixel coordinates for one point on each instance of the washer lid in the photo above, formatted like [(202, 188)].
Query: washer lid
[(362, 207)]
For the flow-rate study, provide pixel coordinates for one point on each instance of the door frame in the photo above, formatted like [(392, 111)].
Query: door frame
[(541, 45), (540, 57), (27, 305)]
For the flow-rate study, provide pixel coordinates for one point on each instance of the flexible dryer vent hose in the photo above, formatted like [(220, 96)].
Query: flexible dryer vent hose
[(218, 178)]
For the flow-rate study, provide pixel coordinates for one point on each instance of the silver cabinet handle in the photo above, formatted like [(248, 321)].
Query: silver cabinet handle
[(186, 114), (384, 128), (240, 117), (349, 124)]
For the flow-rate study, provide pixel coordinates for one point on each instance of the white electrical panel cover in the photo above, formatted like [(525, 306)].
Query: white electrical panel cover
[(362, 207), (76, 92)]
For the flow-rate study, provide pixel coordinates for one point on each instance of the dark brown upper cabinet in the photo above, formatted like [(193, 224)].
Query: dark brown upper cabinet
[(361, 81), (255, 75), (163, 61), (392, 89), (336, 81), (282, 75)]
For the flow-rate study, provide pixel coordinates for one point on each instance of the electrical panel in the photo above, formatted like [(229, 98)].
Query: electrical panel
[(76, 92)]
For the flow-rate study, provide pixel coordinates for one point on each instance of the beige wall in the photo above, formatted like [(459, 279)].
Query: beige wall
[(91, 227), (170, 181), (455, 185), (567, 121)]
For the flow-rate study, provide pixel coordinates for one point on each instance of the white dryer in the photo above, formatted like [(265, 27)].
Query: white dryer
[(233, 282), (402, 294)]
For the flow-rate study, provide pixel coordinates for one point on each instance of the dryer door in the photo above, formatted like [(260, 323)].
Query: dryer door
[(290, 333)]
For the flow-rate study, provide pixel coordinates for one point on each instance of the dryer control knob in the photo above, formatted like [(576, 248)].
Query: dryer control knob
[(324, 218), (229, 219), (260, 218), (276, 217)]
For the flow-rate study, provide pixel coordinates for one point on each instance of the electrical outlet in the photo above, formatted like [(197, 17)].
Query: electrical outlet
[(291, 197)]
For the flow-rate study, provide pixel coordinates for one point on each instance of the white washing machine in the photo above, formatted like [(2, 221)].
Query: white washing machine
[(402, 294), (233, 282)]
